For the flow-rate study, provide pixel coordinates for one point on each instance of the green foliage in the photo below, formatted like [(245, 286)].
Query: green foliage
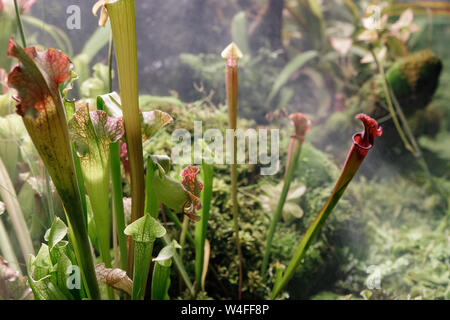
[(48, 271), (161, 271), (293, 66), (144, 232), (97, 84), (405, 247), (239, 32)]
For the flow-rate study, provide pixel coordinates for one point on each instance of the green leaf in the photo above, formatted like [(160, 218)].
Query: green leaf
[(144, 232), (164, 257), (92, 132), (145, 229), (160, 282), (60, 249), (12, 132), (62, 276), (40, 266), (111, 104), (98, 84), (56, 233), (8, 195), (439, 144), (45, 289), (292, 210), (152, 122), (176, 196), (239, 32), (161, 162), (96, 42), (200, 228), (292, 67)]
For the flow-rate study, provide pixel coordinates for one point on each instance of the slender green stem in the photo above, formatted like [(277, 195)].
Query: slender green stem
[(390, 104), (19, 23), (118, 203), (61, 39), (160, 282), (7, 249), (141, 268), (81, 186), (51, 207), (110, 62), (69, 106), (184, 231), (310, 234), (83, 252), (9, 196), (200, 227), (408, 138), (297, 143), (178, 223), (151, 201), (114, 240), (180, 267)]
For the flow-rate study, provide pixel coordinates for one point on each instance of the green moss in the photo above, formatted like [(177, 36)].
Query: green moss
[(415, 78)]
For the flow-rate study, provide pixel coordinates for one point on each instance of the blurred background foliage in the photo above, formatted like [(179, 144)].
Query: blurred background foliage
[(300, 56)]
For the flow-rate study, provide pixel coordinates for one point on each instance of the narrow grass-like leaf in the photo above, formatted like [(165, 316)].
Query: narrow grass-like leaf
[(206, 256), (301, 125), (119, 212), (6, 248), (296, 63), (200, 228), (180, 267), (70, 111), (151, 200), (239, 32), (9, 197), (61, 39), (56, 233)]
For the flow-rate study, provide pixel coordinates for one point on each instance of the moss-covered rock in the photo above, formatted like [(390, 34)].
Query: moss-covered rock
[(414, 79)]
